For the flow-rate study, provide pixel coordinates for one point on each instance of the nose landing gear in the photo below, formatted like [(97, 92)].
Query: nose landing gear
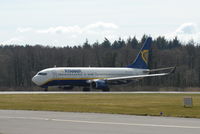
[(46, 89)]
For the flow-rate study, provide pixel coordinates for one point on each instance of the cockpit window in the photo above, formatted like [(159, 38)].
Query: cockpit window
[(42, 73)]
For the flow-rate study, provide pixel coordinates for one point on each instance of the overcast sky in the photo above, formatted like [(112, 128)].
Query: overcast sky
[(70, 22)]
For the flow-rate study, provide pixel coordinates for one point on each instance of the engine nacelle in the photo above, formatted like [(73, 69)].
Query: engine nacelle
[(100, 84)]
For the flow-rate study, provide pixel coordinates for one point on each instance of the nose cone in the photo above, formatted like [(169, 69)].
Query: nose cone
[(35, 80)]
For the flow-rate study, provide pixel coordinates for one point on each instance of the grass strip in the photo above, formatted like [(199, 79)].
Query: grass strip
[(132, 104)]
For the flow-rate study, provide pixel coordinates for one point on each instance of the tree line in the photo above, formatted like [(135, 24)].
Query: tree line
[(18, 64)]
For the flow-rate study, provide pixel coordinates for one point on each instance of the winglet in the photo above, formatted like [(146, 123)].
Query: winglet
[(173, 70)]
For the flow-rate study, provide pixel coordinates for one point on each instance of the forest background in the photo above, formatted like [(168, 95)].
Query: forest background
[(19, 63)]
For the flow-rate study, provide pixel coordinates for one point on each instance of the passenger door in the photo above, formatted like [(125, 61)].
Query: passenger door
[(54, 74)]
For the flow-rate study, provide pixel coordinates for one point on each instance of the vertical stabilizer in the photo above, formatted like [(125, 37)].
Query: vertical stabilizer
[(141, 60)]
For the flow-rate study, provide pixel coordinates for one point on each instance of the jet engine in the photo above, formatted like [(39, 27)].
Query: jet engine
[(100, 84)]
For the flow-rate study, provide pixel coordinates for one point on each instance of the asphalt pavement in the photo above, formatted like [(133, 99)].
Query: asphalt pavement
[(45, 122)]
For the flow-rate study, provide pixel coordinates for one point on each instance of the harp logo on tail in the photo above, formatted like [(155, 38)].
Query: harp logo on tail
[(145, 55)]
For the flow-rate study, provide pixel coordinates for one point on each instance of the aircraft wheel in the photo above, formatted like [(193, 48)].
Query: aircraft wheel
[(106, 90), (86, 89), (46, 89)]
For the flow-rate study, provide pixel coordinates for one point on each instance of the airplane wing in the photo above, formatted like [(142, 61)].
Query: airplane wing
[(136, 76), (146, 75), (162, 69)]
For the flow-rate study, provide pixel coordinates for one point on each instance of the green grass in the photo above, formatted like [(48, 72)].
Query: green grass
[(134, 104)]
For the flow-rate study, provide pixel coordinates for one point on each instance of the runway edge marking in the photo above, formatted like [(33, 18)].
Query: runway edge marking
[(98, 122)]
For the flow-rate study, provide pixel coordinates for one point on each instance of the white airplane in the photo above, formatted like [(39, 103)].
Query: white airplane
[(99, 77)]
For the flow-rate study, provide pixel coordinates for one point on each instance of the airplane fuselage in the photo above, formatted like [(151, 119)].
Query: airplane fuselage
[(83, 76)]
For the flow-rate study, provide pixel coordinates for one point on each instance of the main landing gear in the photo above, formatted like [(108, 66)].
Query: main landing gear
[(86, 89), (106, 90)]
